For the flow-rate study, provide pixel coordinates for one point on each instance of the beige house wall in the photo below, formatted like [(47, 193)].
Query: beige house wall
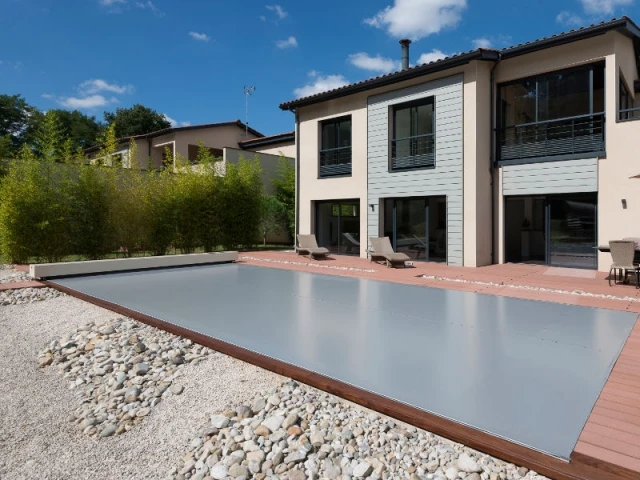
[(477, 165), (286, 149)]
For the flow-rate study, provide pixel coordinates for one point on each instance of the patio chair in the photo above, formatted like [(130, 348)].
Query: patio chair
[(351, 242), (622, 253), (307, 245), (382, 249)]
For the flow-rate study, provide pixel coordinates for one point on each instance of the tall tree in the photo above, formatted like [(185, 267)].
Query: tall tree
[(15, 113), (81, 129), (136, 120), (49, 140)]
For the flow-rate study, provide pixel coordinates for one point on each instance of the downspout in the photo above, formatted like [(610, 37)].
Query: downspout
[(297, 203), (492, 162)]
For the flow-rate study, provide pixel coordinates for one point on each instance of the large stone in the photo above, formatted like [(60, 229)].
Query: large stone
[(274, 400), (274, 422), (219, 472), (291, 420), (140, 369), (362, 470), (317, 440), (295, 457), (108, 430), (131, 394), (238, 470), (255, 456), (262, 431), (297, 475), (473, 476), (451, 473), (258, 404), (219, 421), (468, 464), (294, 431)]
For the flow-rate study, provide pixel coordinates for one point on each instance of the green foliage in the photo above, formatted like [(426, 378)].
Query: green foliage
[(48, 139), (136, 120), (240, 200), (273, 217), (15, 113), (109, 145), (80, 129), (285, 185)]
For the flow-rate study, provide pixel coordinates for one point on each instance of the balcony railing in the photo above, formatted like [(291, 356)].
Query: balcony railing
[(413, 152), (335, 161), (629, 114), (564, 136)]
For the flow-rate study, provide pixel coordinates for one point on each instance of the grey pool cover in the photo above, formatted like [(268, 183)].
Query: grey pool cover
[(523, 370)]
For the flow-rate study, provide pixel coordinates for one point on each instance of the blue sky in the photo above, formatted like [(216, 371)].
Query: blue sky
[(190, 59)]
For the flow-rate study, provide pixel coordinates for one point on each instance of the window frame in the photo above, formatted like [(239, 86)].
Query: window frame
[(336, 121), (428, 100)]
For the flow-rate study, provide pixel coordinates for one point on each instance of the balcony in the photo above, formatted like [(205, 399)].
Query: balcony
[(335, 161), (627, 114), (553, 139), (413, 152)]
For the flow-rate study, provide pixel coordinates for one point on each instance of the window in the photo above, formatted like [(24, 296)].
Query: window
[(627, 111), (557, 113), (413, 135), (335, 150)]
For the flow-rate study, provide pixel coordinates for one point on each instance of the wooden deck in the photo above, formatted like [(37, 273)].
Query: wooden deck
[(609, 445)]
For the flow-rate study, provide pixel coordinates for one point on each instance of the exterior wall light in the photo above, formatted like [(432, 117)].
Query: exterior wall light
[(624, 203)]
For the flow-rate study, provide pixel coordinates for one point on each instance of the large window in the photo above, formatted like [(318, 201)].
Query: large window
[(335, 150), (559, 113), (413, 135), (338, 226)]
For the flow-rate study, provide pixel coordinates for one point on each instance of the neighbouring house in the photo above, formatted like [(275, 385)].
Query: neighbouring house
[(228, 141), (523, 154)]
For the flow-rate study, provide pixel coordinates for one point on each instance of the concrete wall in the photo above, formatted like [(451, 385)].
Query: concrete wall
[(286, 149), (444, 179), (268, 162)]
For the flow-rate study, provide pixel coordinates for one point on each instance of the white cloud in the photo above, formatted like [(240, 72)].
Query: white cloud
[(149, 5), (290, 42), (375, 64), (175, 123), (278, 10), (263, 18), (569, 19), (92, 101), (431, 56), (111, 3), (603, 7), (417, 19), (482, 42), (201, 37), (89, 87), (320, 83)]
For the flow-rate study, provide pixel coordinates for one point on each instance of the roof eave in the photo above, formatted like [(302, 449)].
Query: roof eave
[(435, 67)]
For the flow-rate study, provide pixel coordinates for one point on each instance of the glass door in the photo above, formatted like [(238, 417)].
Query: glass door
[(338, 226), (571, 223), (416, 227)]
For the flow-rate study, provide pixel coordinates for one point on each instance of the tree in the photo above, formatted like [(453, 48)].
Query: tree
[(136, 120), (285, 185), (273, 214), (109, 145), (15, 113), (48, 139), (82, 130)]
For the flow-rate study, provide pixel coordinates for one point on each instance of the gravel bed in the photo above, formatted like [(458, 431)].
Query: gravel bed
[(8, 275), (306, 264), (38, 441), (28, 295), (528, 287), (296, 432)]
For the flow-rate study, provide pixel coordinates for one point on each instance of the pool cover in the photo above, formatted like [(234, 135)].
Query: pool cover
[(527, 371)]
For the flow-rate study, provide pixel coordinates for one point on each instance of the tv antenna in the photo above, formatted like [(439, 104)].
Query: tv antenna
[(248, 91)]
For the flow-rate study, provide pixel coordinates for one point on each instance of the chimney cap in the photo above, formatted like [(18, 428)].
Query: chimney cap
[(405, 42)]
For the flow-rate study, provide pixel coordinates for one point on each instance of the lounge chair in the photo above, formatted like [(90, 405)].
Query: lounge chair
[(382, 250), (307, 245), (622, 253), (351, 242)]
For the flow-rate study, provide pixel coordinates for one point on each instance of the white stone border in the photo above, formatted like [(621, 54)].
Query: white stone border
[(63, 269)]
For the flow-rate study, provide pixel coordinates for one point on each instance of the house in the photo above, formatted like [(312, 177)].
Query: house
[(228, 141), (523, 154)]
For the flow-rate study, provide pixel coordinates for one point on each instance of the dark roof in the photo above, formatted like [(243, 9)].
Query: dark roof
[(624, 25), (166, 131), (270, 140)]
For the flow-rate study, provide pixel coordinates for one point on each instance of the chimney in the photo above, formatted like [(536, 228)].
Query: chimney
[(405, 42)]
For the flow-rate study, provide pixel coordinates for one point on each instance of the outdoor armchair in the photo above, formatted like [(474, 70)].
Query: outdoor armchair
[(307, 245), (381, 249)]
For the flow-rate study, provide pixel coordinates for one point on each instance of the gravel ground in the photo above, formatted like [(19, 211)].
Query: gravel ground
[(8, 275), (37, 441)]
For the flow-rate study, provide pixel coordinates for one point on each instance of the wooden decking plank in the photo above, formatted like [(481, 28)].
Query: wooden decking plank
[(609, 388), (607, 455), (623, 386), (625, 417), (618, 407), (612, 444), (625, 437), (614, 398), (614, 423)]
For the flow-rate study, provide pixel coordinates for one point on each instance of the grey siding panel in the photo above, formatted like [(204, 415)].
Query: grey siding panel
[(445, 179), (569, 176)]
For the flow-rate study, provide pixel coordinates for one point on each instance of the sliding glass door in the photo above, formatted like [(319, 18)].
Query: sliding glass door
[(338, 226), (417, 227), (554, 230)]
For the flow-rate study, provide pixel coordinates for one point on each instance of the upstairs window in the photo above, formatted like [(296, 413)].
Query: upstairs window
[(335, 147), (413, 144)]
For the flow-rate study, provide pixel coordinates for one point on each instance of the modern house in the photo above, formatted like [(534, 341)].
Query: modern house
[(523, 154), (227, 141)]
